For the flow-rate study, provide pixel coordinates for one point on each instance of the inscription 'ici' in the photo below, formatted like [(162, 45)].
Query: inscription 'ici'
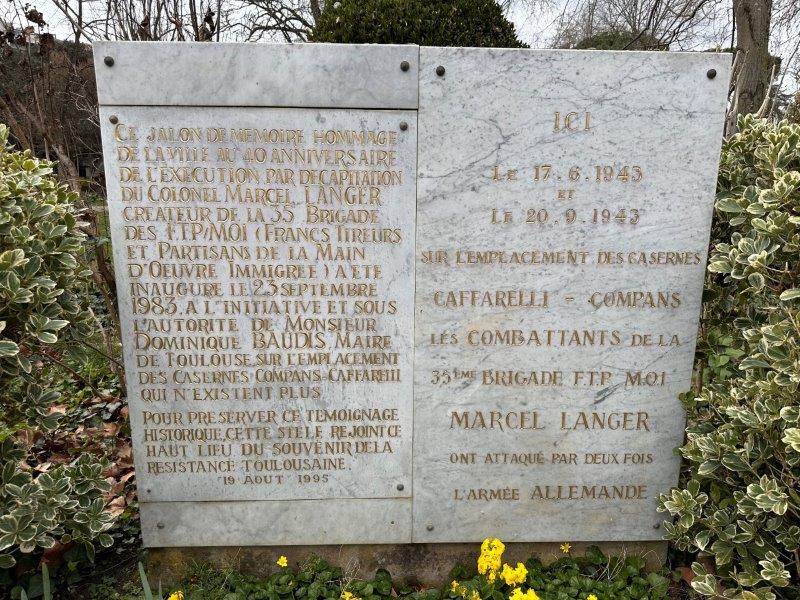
[(572, 121)]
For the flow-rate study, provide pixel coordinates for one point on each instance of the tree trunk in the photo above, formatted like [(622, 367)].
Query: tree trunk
[(752, 39)]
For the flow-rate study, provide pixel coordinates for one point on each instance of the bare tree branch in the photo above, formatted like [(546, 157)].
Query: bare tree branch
[(288, 20)]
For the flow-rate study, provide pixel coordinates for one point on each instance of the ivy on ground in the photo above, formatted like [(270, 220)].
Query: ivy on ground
[(592, 576)]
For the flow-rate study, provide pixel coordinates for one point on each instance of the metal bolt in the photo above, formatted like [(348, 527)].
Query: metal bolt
[(429, 528), (109, 60), (160, 525), (113, 119), (440, 71), (711, 73), (405, 66), (657, 526), (403, 125), (148, 491), (400, 487)]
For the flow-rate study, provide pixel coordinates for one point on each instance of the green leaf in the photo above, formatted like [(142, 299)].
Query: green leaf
[(707, 467), (148, 592), (792, 438), (773, 570), (8, 348), (790, 294), (46, 337), (702, 538), (753, 363), (705, 586), (7, 561), (41, 211), (723, 552), (46, 582), (728, 205)]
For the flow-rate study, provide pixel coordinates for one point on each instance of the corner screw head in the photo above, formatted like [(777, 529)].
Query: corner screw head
[(403, 125), (113, 119), (400, 487), (160, 525), (440, 71), (711, 73), (109, 61), (405, 66), (657, 526), (429, 528)]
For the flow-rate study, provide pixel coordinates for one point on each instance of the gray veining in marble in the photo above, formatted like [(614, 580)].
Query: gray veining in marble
[(271, 440), (474, 476), (282, 522), (491, 245), (223, 74)]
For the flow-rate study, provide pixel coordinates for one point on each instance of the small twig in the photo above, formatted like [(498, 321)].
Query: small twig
[(647, 25), (762, 111), (111, 358), (80, 378)]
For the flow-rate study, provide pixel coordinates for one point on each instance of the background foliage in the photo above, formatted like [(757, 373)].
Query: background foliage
[(423, 22), (44, 306), (43, 290), (740, 501)]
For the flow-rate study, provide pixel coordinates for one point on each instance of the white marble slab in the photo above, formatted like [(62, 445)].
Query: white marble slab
[(492, 111), (222, 74), (279, 523), (229, 378), (219, 253)]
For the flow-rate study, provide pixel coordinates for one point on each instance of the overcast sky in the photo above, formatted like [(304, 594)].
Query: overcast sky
[(534, 26)]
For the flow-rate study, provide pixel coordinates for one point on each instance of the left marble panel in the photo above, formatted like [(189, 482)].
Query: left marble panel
[(264, 261)]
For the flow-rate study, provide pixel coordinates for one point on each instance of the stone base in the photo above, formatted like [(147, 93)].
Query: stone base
[(410, 564)]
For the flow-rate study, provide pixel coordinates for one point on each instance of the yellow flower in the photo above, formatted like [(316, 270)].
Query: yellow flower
[(176, 596), (457, 588), (565, 548), (491, 558), (475, 595), (591, 597), (518, 594), (515, 576), (493, 545), (282, 562)]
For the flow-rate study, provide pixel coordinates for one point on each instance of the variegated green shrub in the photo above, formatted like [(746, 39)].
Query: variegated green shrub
[(64, 505), (44, 295), (740, 499), (44, 305)]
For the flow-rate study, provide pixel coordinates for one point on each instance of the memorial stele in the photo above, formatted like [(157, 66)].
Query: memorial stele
[(389, 294)]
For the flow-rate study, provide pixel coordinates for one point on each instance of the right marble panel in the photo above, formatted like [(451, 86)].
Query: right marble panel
[(563, 216)]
